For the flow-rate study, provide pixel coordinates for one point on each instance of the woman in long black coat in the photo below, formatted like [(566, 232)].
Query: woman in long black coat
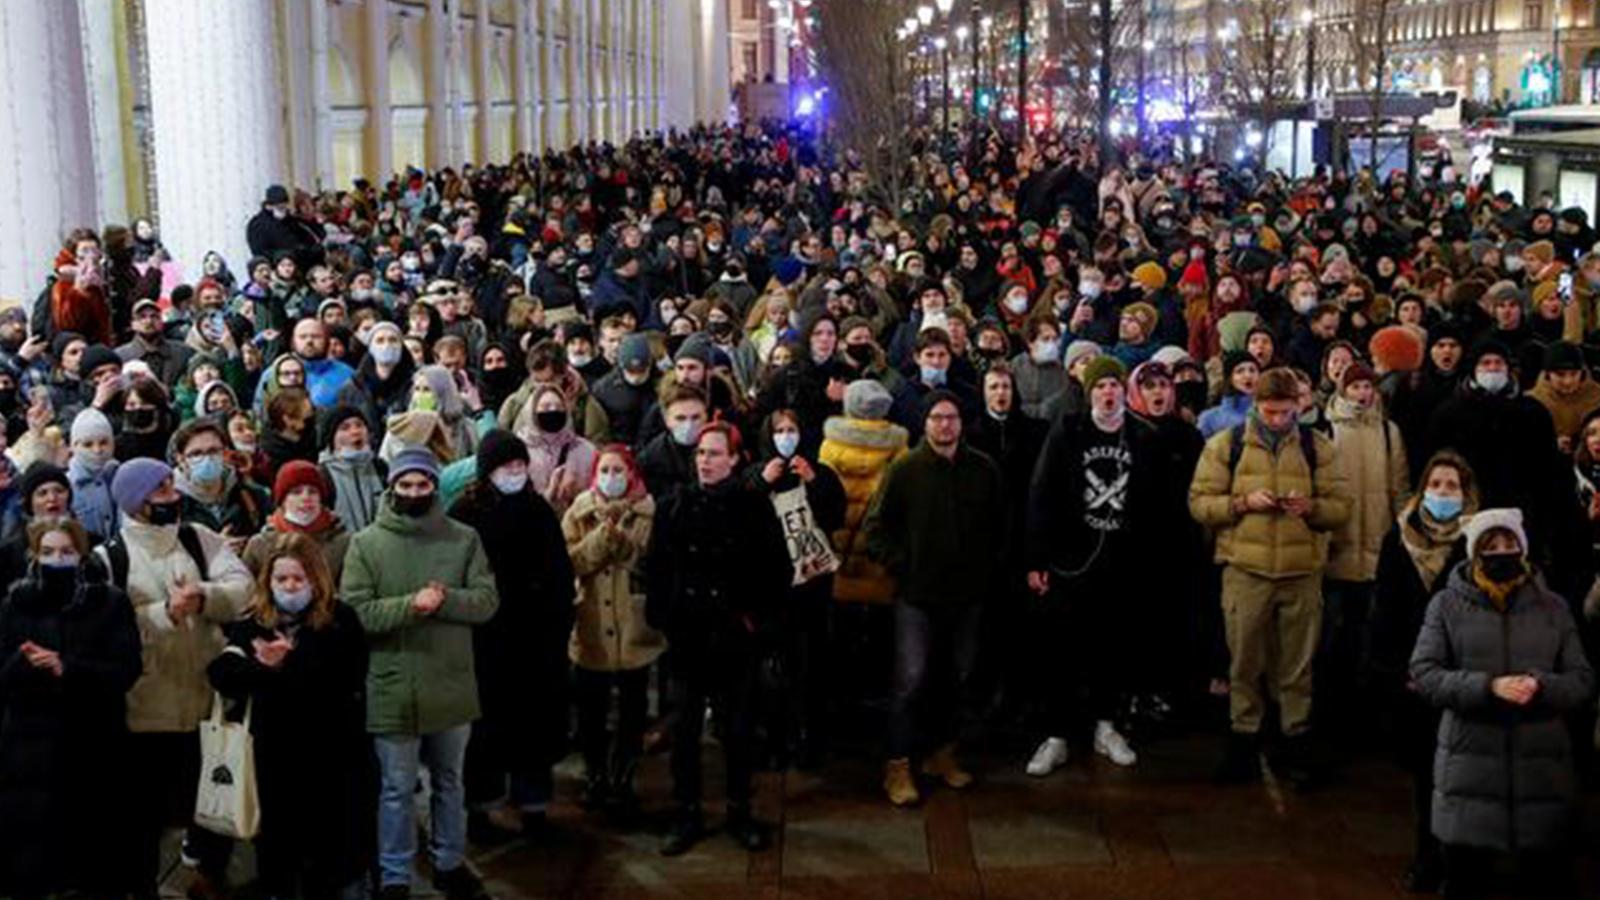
[(69, 652), (521, 653), (781, 465), (300, 658), (1414, 564)]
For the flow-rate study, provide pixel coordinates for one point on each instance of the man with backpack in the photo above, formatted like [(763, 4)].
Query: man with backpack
[(184, 583), (1271, 489)]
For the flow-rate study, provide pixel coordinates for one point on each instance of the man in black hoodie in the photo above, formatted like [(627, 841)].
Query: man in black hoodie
[(1420, 393)]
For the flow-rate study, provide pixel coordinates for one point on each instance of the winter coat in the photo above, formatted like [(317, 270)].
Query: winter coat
[(379, 398), (308, 717), (860, 452), (167, 359), (243, 509), (1503, 774), (61, 738), (1372, 454), (624, 404), (1230, 411), (172, 694), (1270, 544), (666, 465), (357, 488), (935, 524), (520, 653), (1567, 411), (92, 505), (716, 569), (1036, 382), (547, 453), (1013, 443), (588, 417), (610, 633), (420, 678)]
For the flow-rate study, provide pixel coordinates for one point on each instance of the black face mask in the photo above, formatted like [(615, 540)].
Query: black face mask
[(863, 354), (1501, 568), (58, 581), (720, 329), (164, 513), (8, 401), (413, 507), (1191, 395), (551, 421), (139, 419)]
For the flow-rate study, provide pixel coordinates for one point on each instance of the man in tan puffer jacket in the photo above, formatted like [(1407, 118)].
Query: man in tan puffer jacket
[(1269, 503)]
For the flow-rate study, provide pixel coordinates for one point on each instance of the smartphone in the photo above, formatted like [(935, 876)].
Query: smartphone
[(1564, 288)]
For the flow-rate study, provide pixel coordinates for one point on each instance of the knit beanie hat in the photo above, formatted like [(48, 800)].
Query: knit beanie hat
[(1233, 329), (136, 480), (1145, 314), (414, 459), (90, 424), (938, 396), (298, 473), (1078, 350), (58, 344), (384, 326), (1170, 355), (498, 448), (1563, 356), (1396, 348), (634, 352), (867, 399), (1150, 275), (1356, 371), (1103, 367), (38, 475), (1486, 520), (1231, 360), (696, 346), (332, 418), (1194, 274), (95, 356), (1543, 251)]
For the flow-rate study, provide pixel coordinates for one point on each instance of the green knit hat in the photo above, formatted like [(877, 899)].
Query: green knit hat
[(1103, 367)]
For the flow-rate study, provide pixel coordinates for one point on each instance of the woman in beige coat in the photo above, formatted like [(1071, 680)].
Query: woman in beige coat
[(1369, 449), (607, 528)]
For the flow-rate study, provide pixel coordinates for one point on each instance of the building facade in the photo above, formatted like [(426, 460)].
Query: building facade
[(183, 110)]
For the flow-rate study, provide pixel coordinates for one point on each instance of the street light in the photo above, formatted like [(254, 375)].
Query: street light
[(925, 15), (1308, 18), (945, 6), (944, 85)]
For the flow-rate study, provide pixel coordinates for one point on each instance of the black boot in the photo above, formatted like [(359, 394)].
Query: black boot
[(482, 831), (1423, 876), (746, 830), (686, 831), (1301, 763), (1241, 760), (460, 883), (622, 802), (596, 793)]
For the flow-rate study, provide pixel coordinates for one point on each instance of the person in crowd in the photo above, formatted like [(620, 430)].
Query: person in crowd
[(559, 460), (627, 391), (607, 530), (381, 385), (352, 469), (1421, 549), (859, 447), (667, 461), (1567, 391), (1271, 489), (291, 429), (780, 465), (185, 583), (301, 504), (1500, 655), (91, 468), (298, 657), (1373, 455), (69, 654), (213, 493), (931, 526), (434, 389), (166, 358), (420, 582), (1240, 371), (716, 566), (1097, 494), (520, 652)]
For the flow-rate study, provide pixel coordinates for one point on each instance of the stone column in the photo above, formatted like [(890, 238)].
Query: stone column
[(480, 63), (102, 45), (523, 54), (547, 69), (437, 85), (380, 116), (218, 121)]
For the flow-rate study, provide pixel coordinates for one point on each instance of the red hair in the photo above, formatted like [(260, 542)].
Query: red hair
[(636, 484)]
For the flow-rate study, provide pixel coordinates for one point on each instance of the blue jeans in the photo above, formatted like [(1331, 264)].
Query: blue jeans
[(399, 758)]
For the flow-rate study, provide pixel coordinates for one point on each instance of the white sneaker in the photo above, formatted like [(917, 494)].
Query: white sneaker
[(1051, 755), (1110, 744)]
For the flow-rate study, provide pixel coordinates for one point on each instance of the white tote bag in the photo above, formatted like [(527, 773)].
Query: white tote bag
[(227, 802), (809, 548)]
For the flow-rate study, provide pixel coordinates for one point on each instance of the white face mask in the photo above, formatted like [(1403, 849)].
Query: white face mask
[(1305, 303), (1493, 382), (299, 516), (611, 484), (1017, 304), (1090, 289), (579, 360), (508, 482)]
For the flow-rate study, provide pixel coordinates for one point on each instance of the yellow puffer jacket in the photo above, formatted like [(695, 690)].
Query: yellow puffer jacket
[(1376, 476), (609, 631), (860, 450), (1270, 544)]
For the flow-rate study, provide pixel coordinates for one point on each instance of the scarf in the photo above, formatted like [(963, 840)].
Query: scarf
[(1499, 593), (282, 525), (1426, 541)]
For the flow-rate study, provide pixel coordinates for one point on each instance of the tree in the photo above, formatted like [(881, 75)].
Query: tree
[(1369, 52), (1258, 56), (862, 60), (1098, 39)]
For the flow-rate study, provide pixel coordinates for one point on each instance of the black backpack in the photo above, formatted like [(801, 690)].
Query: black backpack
[(1308, 446), (117, 555)]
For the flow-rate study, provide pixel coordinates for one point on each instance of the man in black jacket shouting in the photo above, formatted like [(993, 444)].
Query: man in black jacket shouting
[(718, 564)]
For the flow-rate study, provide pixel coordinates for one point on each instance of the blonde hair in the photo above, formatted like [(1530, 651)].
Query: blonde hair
[(308, 553)]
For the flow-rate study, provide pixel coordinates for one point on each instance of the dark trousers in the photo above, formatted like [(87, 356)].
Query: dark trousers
[(604, 758), (168, 767), (932, 645), (1341, 657), (726, 680), (800, 715), (1541, 874), (1091, 681)]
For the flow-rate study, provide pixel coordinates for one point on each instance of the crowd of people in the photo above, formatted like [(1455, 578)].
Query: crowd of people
[(465, 469)]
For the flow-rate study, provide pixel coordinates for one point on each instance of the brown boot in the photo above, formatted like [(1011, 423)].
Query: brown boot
[(203, 887), (942, 765), (898, 783)]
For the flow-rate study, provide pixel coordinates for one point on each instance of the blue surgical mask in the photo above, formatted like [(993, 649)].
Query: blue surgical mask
[(206, 469), (786, 443), (387, 354), (932, 377), (1441, 507), (292, 603), (353, 455), (685, 432), (611, 484)]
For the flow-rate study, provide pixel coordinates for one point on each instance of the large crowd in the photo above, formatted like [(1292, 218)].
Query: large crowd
[(465, 469)]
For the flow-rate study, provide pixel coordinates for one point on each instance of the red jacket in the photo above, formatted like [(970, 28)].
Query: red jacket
[(84, 310)]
